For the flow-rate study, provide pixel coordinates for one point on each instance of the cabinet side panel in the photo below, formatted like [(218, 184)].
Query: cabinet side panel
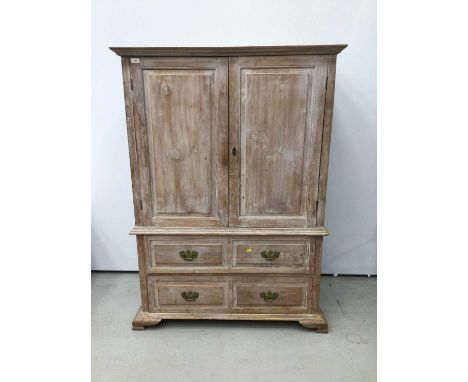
[(142, 254), (132, 145), (139, 122), (326, 138), (315, 295)]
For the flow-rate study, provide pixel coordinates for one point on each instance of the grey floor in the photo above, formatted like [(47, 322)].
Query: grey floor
[(227, 351)]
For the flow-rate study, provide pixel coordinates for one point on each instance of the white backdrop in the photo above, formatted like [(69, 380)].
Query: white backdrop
[(351, 198)]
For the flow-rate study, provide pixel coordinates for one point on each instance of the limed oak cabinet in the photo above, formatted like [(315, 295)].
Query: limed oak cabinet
[(229, 153)]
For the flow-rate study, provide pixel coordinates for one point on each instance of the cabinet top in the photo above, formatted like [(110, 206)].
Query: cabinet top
[(284, 50)]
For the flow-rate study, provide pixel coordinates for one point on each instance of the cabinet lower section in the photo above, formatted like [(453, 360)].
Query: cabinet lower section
[(230, 277)]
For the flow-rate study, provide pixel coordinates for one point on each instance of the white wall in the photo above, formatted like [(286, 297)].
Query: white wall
[(351, 204)]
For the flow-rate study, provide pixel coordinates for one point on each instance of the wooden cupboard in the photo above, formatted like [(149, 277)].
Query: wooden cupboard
[(229, 156)]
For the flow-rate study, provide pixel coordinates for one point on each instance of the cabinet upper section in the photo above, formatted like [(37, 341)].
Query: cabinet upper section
[(238, 141), (228, 51)]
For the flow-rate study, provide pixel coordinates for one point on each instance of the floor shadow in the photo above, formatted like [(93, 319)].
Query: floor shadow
[(230, 324)]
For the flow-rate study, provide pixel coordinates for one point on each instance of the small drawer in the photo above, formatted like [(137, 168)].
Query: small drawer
[(186, 294), (269, 295), (271, 253), (194, 252)]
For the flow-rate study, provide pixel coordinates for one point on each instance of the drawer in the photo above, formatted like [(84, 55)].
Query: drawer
[(237, 293), (270, 295), (188, 294), (186, 252), (271, 253)]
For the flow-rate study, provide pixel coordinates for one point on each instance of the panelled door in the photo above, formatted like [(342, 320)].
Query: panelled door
[(180, 109), (276, 107)]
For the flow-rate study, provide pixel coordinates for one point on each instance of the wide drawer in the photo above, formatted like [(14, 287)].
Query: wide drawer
[(185, 252), (294, 253), (186, 294), (230, 293)]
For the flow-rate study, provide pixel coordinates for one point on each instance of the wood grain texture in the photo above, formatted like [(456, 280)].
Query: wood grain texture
[(230, 316), (132, 140), (292, 253), (210, 294), (164, 252), (165, 293), (315, 292), (228, 51), (273, 122), (308, 320), (186, 140), (214, 271), (292, 295), (142, 251), (326, 140), (221, 293), (141, 140), (178, 104), (142, 320), (229, 231), (276, 115), (229, 254), (318, 323)]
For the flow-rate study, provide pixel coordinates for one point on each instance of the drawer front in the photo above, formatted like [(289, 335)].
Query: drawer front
[(270, 295), (192, 252), (271, 253), (236, 294), (186, 294)]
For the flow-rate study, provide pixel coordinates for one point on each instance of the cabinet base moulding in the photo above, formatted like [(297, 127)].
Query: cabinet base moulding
[(315, 321)]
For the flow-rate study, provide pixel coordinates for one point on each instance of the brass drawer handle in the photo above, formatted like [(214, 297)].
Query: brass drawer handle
[(189, 295), (269, 296), (270, 255), (188, 255)]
